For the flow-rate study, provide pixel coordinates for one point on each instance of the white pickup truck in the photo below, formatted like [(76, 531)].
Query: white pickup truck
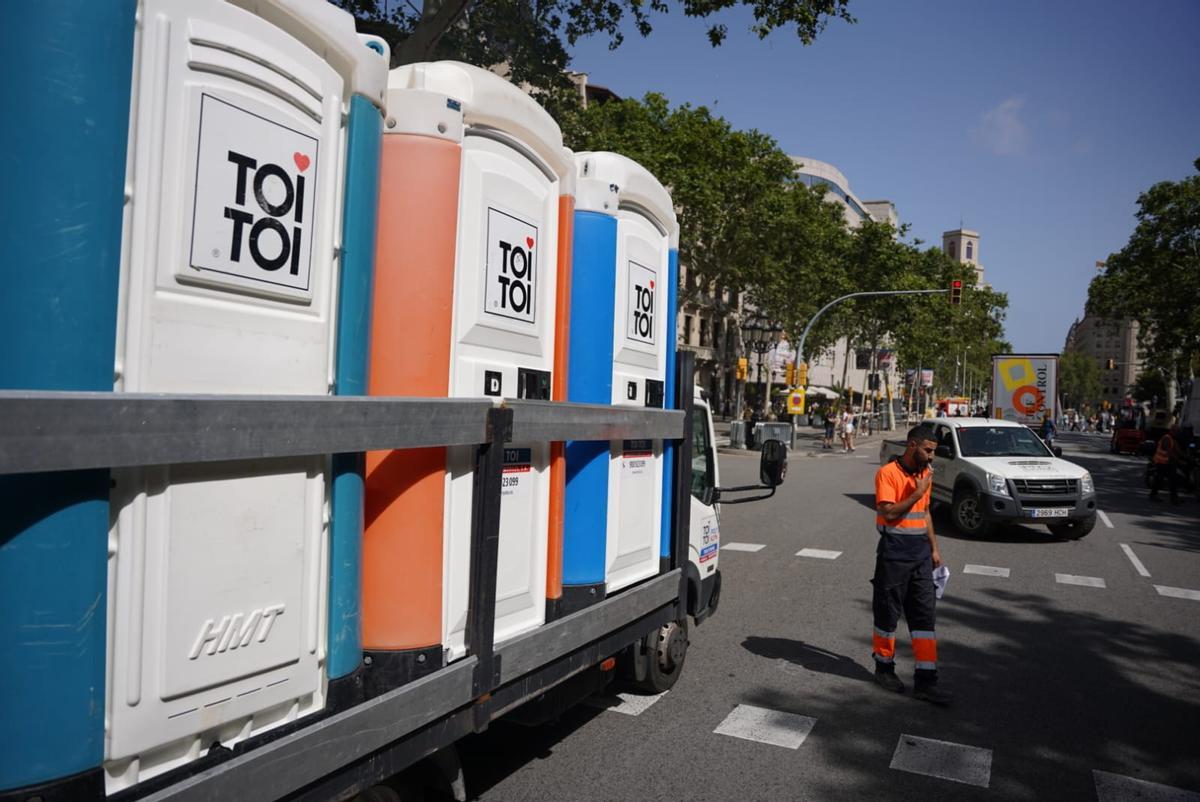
[(993, 472)]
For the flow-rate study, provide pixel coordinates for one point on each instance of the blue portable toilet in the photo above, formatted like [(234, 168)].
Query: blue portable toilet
[(622, 353)]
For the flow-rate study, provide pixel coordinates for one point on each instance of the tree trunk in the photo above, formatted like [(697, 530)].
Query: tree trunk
[(436, 18)]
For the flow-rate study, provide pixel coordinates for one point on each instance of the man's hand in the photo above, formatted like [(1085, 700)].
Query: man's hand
[(923, 484), (937, 558)]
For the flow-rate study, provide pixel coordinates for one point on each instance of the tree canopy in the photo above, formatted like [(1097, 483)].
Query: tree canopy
[(1078, 379), (531, 37), (1155, 278)]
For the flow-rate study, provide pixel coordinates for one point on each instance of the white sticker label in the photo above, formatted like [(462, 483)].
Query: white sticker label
[(511, 267), (642, 294), (256, 185)]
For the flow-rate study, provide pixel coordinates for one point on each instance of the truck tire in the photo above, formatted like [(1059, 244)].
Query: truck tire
[(967, 513), (665, 655), (1073, 530)]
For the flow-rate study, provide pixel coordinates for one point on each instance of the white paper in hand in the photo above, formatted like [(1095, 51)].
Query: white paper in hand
[(941, 575)]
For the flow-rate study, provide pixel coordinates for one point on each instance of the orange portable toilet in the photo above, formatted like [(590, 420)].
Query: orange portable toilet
[(468, 287)]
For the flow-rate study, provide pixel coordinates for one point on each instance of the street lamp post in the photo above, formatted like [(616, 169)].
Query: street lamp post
[(759, 334)]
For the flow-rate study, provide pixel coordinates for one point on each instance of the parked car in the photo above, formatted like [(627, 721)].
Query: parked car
[(993, 472), (1127, 438)]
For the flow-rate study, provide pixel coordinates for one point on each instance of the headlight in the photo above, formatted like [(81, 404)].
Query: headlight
[(997, 484), (1085, 484)]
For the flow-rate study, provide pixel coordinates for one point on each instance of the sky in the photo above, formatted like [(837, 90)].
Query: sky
[(1036, 124)]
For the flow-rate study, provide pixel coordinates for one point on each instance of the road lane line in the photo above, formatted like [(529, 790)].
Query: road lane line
[(766, 726), (819, 554), (1137, 564), (743, 547), (1116, 788), (944, 760), (1086, 581), (1178, 593), (986, 570), (1104, 518), (629, 704)]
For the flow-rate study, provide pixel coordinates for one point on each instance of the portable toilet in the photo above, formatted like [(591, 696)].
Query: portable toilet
[(473, 178), (621, 346), (219, 572)]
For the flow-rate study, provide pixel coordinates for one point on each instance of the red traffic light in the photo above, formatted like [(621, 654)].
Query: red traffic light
[(955, 292), (956, 284)]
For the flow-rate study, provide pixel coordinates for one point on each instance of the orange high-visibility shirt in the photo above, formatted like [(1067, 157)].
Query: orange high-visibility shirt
[(903, 538)]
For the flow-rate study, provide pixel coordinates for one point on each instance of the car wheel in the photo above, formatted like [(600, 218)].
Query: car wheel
[(967, 511), (1073, 530)]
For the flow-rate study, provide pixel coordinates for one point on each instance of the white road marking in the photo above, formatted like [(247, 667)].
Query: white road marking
[(1117, 788), (819, 554), (766, 726), (631, 704), (1178, 593), (986, 570), (743, 547), (1086, 581), (1137, 564), (948, 761), (1104, 518)]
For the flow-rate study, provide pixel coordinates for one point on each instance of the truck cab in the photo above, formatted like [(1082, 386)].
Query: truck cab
[(704, 537)]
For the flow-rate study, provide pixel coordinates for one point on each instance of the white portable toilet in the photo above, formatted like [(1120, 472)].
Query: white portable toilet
[(500, 319), (613, 185), (218, 572)]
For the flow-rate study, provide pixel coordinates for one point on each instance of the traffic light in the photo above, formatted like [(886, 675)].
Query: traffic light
[(742, 368), (956, 292), (1110, 364), (802, 374), (872, 381), (790, 371)]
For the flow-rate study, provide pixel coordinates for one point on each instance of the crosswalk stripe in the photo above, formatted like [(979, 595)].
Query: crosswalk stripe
[(766, 726), (986, 570), (1178, 593), (947, 761), (1137, 564), (819, 554), (1104, 518), (1086, 581), (630, 704), (743, 547), (1117, 788)]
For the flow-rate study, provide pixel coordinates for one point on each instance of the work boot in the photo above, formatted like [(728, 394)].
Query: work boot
[(933, 694), (889, 681)]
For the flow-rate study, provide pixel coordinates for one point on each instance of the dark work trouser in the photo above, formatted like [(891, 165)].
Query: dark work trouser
[(1165, 472), (905, 587)]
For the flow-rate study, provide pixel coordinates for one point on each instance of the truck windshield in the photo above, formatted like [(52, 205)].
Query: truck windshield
[(1000, 441)]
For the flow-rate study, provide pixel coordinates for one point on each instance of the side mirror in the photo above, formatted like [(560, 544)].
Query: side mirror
[(772, 465), (944, 452), (710, 496), (1057, 451)]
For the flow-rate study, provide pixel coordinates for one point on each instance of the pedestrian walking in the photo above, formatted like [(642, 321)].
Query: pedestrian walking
[(904, 562), (1049, 430), (847, 430), (1168, 459)]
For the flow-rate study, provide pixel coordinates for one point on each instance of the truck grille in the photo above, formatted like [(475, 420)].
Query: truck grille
[(1046, 487)]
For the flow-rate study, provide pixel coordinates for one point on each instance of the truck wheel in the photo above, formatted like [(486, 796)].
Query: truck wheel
[(968, 514), (1073, 530), (665, 661)]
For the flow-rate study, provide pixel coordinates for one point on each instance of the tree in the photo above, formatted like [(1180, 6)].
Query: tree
[(1155, 278), (531, 36), (1150, 386), (1079, 379), (729, 188)]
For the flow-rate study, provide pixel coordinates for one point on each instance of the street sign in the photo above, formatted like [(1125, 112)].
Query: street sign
[(796, 401)]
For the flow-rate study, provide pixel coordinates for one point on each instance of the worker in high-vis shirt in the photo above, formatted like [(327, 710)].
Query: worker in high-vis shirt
[(904, 563)]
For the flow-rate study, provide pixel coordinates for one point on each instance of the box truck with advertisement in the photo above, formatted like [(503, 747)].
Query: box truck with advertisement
[(1024, 387)]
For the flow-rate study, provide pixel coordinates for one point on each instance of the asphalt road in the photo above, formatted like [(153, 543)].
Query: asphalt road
[(1063, 691)]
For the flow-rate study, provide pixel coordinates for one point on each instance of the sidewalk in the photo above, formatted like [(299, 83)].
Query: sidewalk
[(808, 441)]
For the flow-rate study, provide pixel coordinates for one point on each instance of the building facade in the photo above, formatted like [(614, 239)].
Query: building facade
[(1103, 340)]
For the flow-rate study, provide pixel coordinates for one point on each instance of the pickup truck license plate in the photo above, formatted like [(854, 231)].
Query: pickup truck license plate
[(1050, 512)]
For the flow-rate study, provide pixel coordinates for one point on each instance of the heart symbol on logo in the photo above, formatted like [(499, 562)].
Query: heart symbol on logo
[(652, 284), (529, 242), (301, 160)]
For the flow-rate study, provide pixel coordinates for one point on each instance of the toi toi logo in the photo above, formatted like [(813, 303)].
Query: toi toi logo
[(516, 277), (641, 303), (283, 218)]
